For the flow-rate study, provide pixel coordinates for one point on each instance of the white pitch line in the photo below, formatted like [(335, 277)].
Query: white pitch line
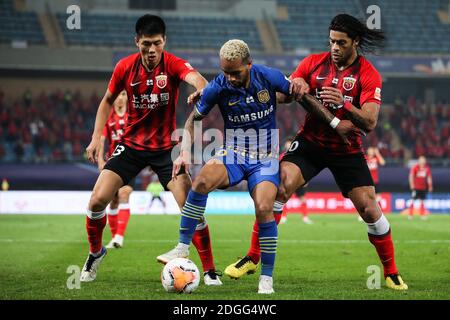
[(294, 241)]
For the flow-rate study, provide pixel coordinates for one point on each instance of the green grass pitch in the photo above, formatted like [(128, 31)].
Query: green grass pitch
[(326, 260)]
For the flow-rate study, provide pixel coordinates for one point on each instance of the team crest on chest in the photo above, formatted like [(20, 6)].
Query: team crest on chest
[(263, 96), (349, 83), (161, 81)]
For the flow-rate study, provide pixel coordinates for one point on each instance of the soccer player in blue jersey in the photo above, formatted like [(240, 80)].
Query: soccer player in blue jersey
[(246, 96)]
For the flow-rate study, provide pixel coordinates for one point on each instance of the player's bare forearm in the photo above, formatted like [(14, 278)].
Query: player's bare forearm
[(315, 107), (282, 98), (364, 118), (188, 133), (196, 80)]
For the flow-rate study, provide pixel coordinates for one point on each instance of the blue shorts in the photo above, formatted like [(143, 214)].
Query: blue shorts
[(254, 171)]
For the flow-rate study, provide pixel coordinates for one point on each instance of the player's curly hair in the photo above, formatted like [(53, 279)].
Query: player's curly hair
[(235, 49), (369, 40)]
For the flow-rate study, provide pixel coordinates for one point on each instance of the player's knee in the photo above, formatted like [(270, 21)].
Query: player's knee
[(97, 203), (263, 208), (124, 195), (201, 185)]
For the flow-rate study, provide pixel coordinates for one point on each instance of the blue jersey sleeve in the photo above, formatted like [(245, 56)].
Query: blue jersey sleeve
[(278, 81), (209, 99)]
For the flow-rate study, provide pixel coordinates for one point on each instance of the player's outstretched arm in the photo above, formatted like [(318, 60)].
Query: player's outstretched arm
[(103, 111), (314, 106), (196, 80)]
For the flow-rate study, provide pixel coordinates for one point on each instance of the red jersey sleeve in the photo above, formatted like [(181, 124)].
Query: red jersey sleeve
[(117, 81), (304, 68), (370, 86), (179, 67)]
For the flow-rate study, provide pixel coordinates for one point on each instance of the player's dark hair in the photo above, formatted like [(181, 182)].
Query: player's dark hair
[(369, 40), (150, 25)]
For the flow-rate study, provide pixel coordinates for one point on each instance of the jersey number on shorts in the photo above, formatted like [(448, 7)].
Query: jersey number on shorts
[(119, 149)]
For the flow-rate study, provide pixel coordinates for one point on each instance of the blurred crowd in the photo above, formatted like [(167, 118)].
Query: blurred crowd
[(57, 127)]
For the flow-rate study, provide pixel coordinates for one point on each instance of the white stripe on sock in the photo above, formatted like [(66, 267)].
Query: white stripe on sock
[(95, 215), (379, 227)]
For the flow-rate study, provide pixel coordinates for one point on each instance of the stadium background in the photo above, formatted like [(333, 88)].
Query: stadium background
[(52, 79)]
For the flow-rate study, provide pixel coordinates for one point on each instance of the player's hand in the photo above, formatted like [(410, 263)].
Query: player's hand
[(92, 149), (332, 95), (298, 88), (346, 128), (194, 97), (183, 160)]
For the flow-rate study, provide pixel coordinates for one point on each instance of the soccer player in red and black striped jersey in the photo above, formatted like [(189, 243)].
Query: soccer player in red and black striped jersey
[(119, 208), (151, 77), (420, 183), (350, 87)]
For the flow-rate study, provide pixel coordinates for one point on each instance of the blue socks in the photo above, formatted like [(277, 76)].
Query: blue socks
[(268, 238), (193, 210)]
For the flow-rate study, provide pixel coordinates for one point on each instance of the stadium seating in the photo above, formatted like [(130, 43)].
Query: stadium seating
[(182, 32), (19, 26), (37, 129), (416, 24)]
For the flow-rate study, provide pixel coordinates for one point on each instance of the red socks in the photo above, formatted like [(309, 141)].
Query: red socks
[(122, 218), (112, 221), (422, 208), (202, 243), (385, 249), (303, 209), (94, 230), (255, 252)]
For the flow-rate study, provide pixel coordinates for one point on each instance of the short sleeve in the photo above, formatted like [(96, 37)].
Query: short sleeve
[(279, 81), (370, 86), (209, 99), (116, 83), (179, 67), (304, 68)]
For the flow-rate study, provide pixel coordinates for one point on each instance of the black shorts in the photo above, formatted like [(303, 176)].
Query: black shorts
[(419, 194), (128, 162), (131, 183), (349, 170), (377, 188)]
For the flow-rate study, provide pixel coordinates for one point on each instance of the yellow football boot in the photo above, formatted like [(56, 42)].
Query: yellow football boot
[(395, 281), (240, 268)]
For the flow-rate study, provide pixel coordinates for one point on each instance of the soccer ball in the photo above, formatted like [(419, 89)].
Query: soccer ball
[(180, 275)]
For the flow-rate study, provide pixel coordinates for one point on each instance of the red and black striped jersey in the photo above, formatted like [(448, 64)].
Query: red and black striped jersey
[(359, 83), (152, 99), (114, 129)]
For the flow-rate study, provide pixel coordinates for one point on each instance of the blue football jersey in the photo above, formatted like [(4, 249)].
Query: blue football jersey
[(248, 113)]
